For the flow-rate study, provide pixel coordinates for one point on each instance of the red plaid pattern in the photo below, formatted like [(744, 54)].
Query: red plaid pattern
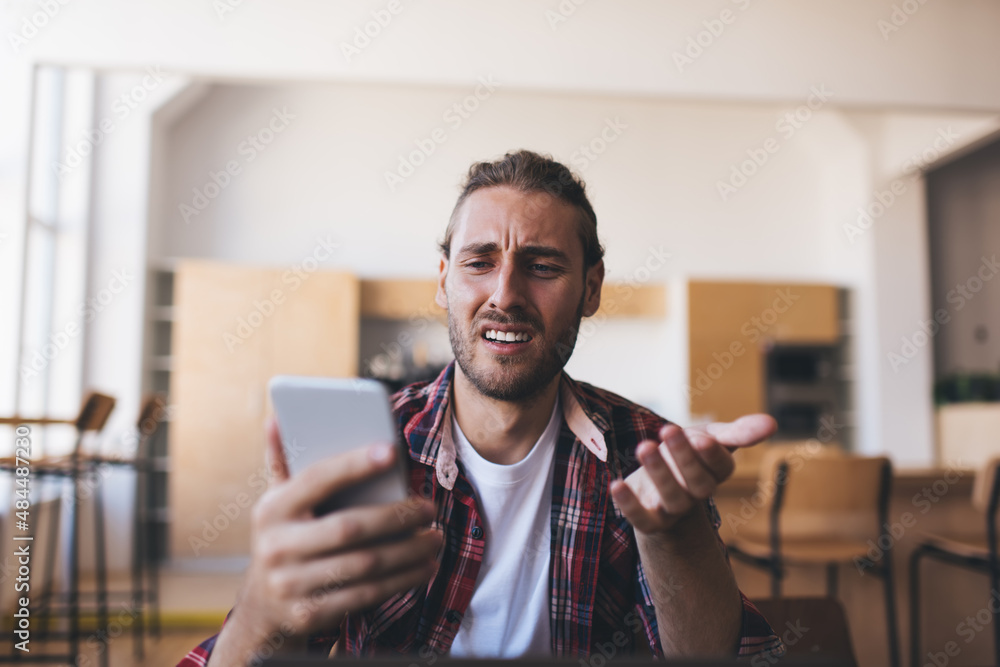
[(600, 592)]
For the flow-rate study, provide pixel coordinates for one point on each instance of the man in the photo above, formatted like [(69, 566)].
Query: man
[(564, 520)]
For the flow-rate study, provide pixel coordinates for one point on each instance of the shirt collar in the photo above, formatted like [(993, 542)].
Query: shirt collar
[(588, 419)]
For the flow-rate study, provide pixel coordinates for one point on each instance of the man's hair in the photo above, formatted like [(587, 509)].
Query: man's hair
[(530, 172)]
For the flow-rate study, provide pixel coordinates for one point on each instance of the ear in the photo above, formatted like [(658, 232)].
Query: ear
[(592, 288), (441, 296)]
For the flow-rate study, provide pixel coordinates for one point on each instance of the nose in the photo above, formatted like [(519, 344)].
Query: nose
[(508, 292)]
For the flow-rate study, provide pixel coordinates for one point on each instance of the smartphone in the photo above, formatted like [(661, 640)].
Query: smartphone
[(319, 417)]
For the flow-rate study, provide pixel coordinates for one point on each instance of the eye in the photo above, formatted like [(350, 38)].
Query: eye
[(543, 268), (478, 264)]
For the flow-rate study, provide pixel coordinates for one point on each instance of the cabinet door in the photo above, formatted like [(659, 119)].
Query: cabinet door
[(728, 323), (236, 327)]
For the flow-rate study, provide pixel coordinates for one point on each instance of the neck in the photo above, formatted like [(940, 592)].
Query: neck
[(502, 432)]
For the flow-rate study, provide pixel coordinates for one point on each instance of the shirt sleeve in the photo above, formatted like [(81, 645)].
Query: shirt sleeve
[(198, 656), (319, 644), (756, 636)]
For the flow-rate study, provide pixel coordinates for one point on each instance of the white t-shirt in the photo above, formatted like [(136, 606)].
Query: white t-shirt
[(508, 616)]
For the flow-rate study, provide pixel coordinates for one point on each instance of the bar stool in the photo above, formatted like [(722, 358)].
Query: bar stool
[(825, 510), (94, 413), (978, 554), (145, 570)]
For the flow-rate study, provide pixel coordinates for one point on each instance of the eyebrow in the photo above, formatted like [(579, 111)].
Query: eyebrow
[(488, 247)]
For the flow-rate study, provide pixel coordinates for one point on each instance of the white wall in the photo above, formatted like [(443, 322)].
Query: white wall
[(654, 187), (899, 395), (943, 55)]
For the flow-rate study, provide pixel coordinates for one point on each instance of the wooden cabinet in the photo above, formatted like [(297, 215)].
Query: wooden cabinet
[(405, 299), (729, 324), (234, 328)]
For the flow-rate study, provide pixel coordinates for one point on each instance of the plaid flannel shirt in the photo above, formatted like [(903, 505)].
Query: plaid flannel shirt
[(601, 596)]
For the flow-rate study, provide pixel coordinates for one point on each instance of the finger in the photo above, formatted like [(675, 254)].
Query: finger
[(630, 506), (714, 456), (745, 431), (697, 478), (369, 594), (674, 498), (327, 605), (359, 566), (274, 453), (322, 479), (354, 527)]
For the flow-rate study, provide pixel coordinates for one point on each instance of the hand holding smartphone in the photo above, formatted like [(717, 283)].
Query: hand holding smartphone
[(321, 417), (366, 539)]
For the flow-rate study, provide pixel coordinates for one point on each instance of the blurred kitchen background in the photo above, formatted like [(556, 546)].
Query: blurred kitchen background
[(800, 204)]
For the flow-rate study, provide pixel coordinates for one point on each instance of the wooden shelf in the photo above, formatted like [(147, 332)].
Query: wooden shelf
[(399, 299), (730, 322), (412, 299)]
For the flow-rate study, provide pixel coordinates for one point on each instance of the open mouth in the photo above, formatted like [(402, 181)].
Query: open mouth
[(506, 337)]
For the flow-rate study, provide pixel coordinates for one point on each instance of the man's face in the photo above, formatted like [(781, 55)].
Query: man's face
[(515, 271)]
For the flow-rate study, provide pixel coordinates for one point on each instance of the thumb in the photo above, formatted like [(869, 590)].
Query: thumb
[(274, 453)]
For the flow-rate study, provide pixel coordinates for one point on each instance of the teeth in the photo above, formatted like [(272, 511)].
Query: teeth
[(506, 336)]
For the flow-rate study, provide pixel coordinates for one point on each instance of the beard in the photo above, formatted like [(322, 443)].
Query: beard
[(520, 378)]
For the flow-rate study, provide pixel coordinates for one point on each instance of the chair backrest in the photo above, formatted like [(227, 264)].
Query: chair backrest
[(794, 455), (756, 510), (835, 497), (94, 412), (152, 414), (986, 485)]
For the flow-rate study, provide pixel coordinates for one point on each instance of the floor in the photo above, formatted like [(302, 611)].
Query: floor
[(193, 606), (165, 652)]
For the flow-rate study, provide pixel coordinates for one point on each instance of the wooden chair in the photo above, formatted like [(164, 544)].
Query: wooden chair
[(824, 511), (978, 553), (828, 635), (93, 415), (145, 571)]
